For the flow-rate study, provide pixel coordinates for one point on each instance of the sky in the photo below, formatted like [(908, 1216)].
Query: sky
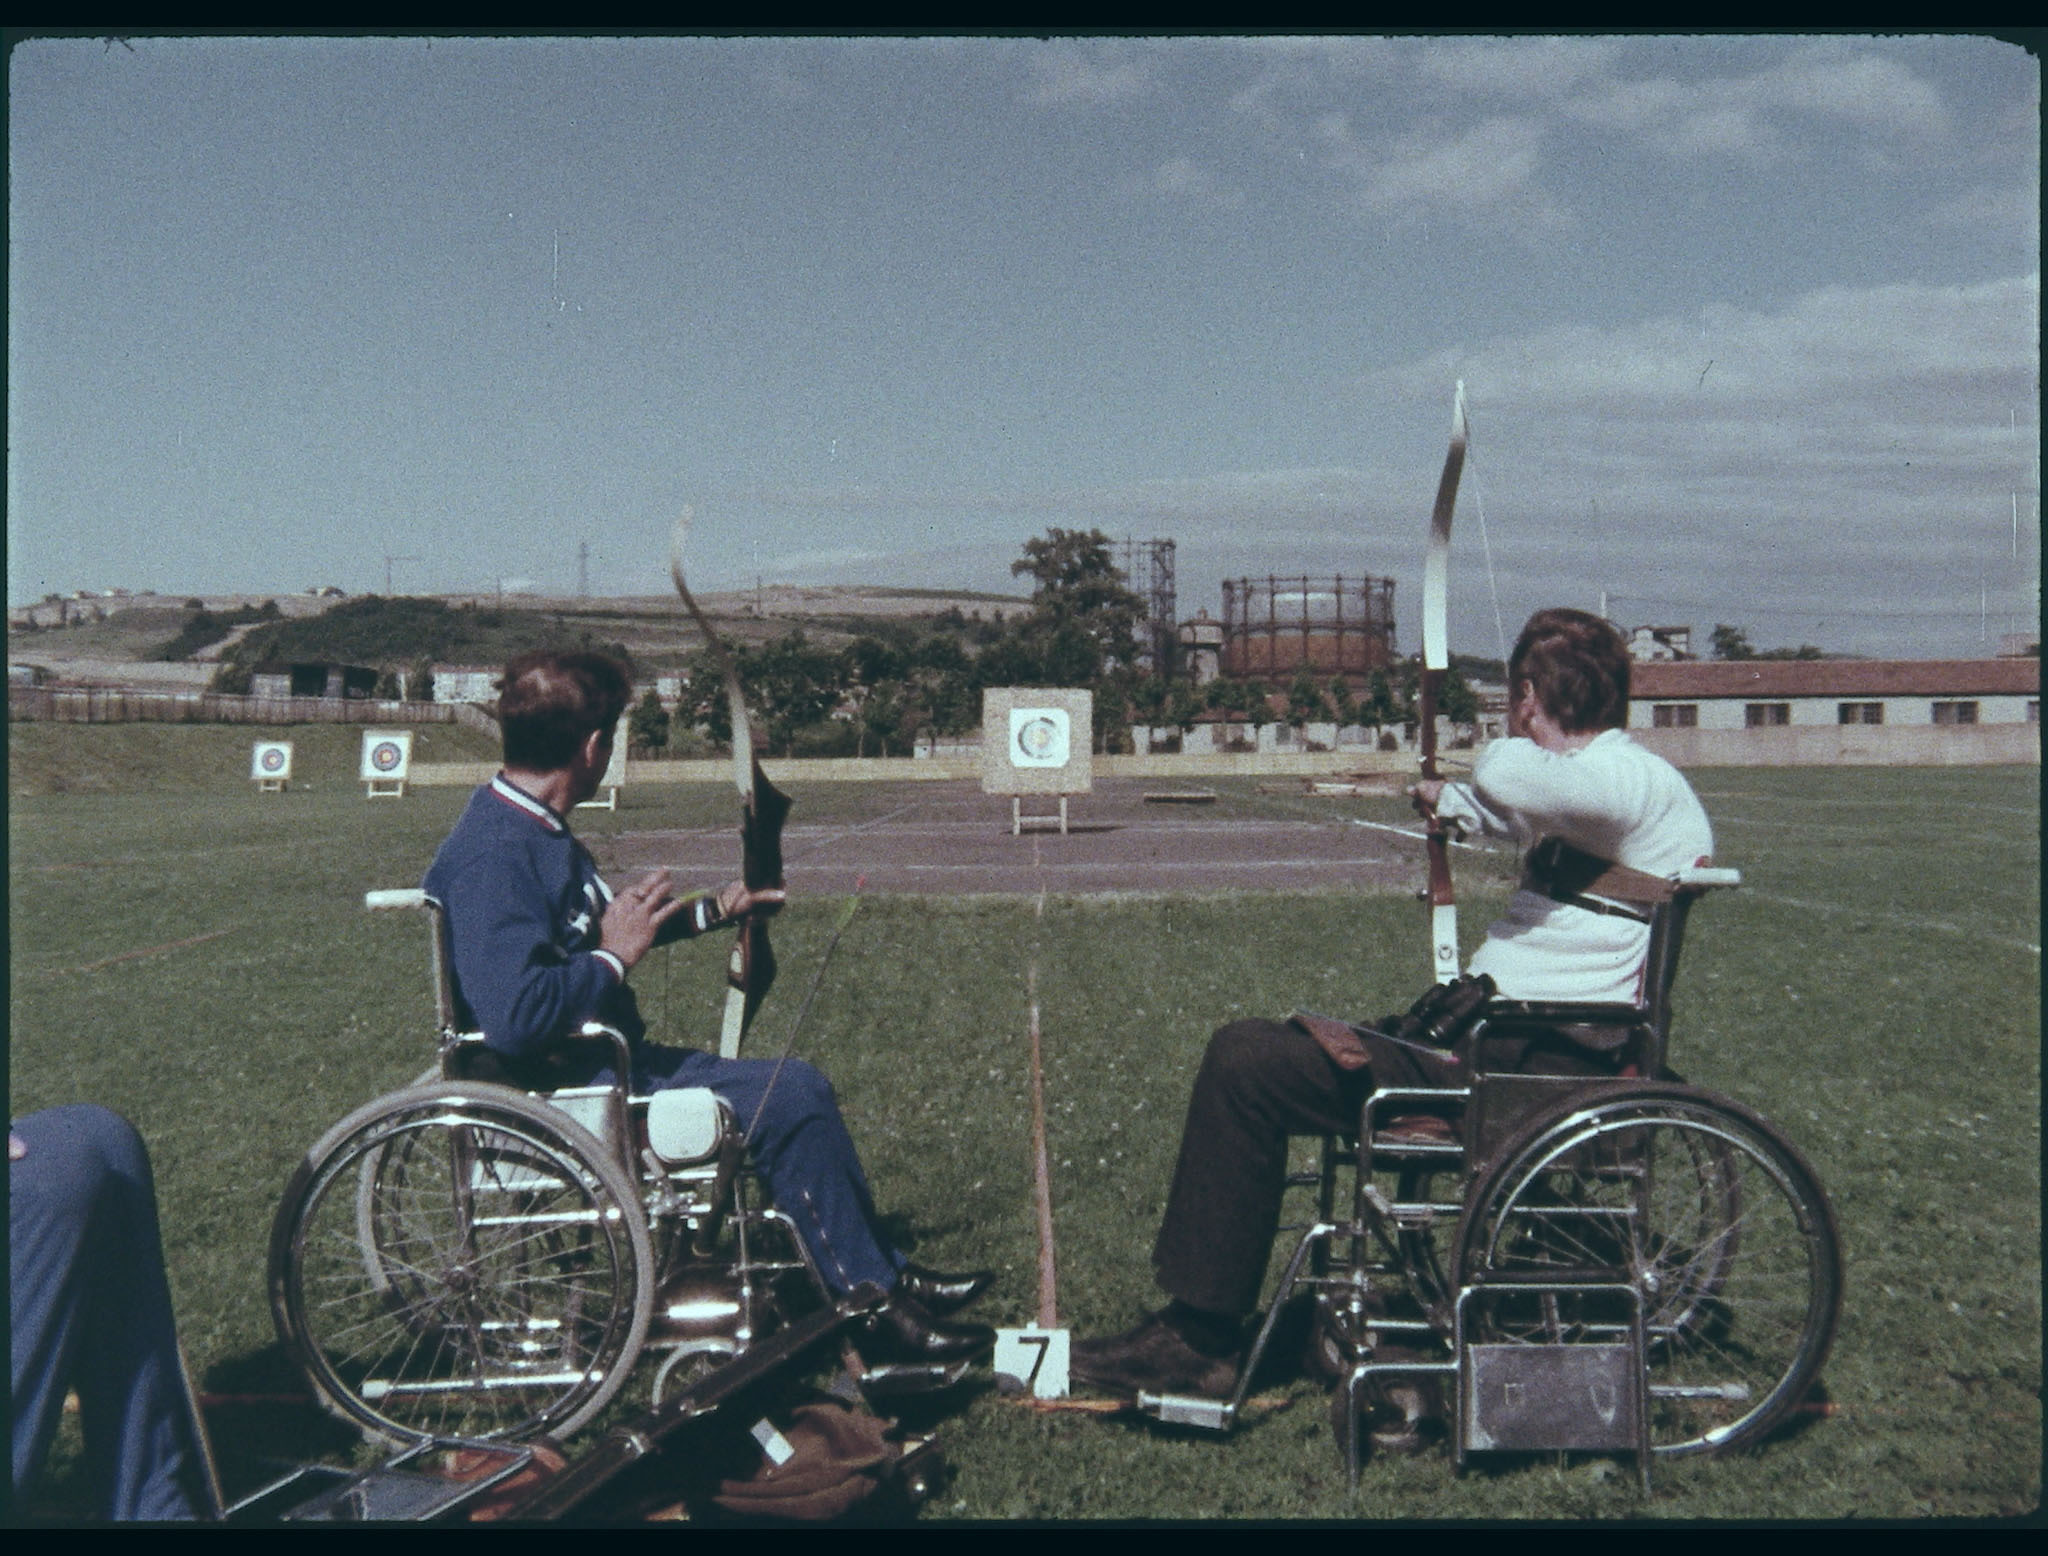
[(1749, 326)]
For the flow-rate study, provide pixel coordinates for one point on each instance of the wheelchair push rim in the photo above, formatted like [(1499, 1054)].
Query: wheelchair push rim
[(1714, 1219), (461, 1260)]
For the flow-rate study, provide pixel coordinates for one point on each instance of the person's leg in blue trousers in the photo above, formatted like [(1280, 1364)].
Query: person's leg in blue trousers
[(90, 1309), (803, 1151)]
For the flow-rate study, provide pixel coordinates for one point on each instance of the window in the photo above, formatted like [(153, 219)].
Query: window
[(1860, 712), (1763, 715), (2034, 711), (1955, 713), (1675, 715)]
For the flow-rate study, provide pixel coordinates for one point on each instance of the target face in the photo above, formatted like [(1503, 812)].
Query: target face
[(1040, 737), (271, 759), (386, 755)]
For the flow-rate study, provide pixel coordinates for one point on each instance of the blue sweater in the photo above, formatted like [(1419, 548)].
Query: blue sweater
[(525, 907)]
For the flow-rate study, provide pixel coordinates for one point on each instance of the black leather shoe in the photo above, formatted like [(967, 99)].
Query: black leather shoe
[(904, 1331), (940, 1293), (1152, 1358)]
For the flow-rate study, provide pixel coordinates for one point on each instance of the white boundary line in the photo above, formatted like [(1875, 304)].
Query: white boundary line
[(1904, 920)]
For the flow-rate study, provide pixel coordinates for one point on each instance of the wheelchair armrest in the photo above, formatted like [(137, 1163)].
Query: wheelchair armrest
[(1565, 1013), (622, 1051), (397, 897)]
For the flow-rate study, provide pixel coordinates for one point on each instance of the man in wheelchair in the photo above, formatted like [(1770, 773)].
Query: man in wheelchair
[(1590, 807), (539, 944)]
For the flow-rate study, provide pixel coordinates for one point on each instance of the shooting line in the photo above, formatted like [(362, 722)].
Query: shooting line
[(1033, 1360)]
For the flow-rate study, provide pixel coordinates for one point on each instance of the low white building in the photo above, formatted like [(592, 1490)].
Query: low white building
[(467, 683), (1771, 693)]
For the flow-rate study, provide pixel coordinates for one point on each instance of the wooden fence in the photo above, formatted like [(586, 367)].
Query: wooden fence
[(123, 705)]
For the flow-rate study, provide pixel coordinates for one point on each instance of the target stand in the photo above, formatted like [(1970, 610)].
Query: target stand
[(1035, 741), (387, 758), (270, 766), (1018, 819)]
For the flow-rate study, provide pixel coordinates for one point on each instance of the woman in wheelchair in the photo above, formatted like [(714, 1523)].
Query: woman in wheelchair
[(1590, 807), (539, 944)]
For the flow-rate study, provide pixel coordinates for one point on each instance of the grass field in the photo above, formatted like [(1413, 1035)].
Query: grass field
[(198, 958)]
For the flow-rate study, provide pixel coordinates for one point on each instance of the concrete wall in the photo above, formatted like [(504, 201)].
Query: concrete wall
[(1847, 745), (1841, 745), (848, 769)]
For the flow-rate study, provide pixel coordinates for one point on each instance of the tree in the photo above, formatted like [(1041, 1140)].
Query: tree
[(1305, 702), (1456, 700), (1380, 707), (793, 683), (1730, 642), (647, 726), (1343, 706), (1082, 617), (232, 680)]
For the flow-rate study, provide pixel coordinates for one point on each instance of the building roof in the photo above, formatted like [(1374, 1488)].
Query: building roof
[(1706, 678)]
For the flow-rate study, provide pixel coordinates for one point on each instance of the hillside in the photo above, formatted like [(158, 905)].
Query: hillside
[(120, 646)]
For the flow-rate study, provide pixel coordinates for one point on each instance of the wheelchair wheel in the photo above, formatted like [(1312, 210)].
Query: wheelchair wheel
[(1707, 1211), (461, 1260)]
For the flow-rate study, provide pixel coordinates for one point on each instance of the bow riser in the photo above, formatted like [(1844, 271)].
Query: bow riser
[(763, 809), (1436, 660)]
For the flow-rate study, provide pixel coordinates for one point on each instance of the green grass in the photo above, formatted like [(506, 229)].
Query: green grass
[(1874, 989)]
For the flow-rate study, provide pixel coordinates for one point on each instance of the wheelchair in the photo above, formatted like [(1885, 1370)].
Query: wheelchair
[(466, 1259), (1610, 1261)]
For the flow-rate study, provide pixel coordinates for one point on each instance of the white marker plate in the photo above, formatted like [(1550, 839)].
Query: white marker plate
[(1036, 1358)]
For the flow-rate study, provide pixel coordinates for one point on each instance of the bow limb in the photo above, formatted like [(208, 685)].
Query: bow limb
[(763, 809), (1436, 661)]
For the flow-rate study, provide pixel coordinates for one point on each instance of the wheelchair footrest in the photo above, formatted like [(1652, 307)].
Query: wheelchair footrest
[(1215, 1415), (903, 1380), (1540, 1398)]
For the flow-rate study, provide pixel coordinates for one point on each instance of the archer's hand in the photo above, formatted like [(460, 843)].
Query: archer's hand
[(635, 917), (1425, 794), (736, 901)]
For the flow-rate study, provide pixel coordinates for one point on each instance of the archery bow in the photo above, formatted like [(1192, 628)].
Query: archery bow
[(1436, 660), (763, 809)]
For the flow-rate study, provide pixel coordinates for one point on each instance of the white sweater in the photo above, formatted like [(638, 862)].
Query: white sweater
[(1610, 798)]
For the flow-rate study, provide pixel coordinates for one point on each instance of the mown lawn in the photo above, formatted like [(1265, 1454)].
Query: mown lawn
[(197, 957)]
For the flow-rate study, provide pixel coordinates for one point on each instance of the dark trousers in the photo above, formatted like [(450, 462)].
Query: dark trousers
[(1260, 1082), (90, 1309), (804, 1153)]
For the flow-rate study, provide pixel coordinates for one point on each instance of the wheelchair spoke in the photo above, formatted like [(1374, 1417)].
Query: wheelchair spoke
[(454, 1268), (1707, 1214)]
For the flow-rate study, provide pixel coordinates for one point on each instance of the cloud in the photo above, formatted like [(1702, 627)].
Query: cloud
[(1749, 116), (1858, 440), (1182, 178), (1490, 168), (1093, 75), (2009, 207), (1530, 69)]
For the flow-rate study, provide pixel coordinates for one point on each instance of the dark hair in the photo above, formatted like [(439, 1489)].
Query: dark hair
[(1579, 666), (550, 703)]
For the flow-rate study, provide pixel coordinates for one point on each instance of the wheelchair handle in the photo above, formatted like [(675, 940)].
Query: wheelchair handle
[(1704, 876), (396, 897)]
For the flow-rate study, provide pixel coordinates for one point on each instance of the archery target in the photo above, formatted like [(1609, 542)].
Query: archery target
[(271, 760), (387, 753), (1040, 737), (1037, 740)]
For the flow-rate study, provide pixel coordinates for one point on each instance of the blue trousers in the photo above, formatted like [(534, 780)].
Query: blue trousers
[(801, 1147), (90, 1309)]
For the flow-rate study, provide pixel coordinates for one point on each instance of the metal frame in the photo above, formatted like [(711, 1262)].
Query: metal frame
[(1354, 1260), (721, 1255)]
